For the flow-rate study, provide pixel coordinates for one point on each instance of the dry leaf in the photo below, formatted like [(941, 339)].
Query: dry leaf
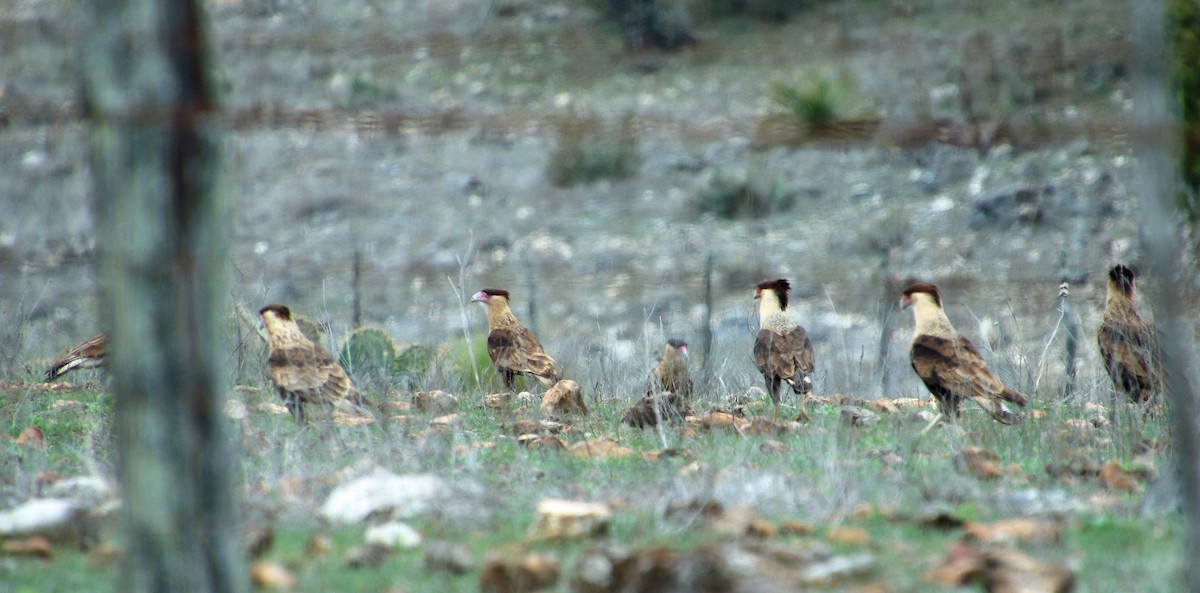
[(961, 565), (979, 462), (1014, 530), (1116, 479), (271, 575), (1011, 571), (36, 546), (599, 448), (318, 545), (720, 421), (794, 527), (885, 405), (851, 536), (369, 555), (32, 436)]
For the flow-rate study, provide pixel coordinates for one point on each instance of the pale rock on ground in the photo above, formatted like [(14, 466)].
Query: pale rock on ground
[(383, 493)]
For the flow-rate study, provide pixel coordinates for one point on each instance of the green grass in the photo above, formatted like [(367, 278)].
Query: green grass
[(827, 474)]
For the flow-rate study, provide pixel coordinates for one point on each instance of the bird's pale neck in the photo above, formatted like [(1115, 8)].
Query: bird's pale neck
[(282, 333), (1119, 304), (499, 314), (771, 315), (930, 318)]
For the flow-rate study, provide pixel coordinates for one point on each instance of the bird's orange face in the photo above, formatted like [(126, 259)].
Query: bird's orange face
[(757, 293), (480, 297), (905, 301)]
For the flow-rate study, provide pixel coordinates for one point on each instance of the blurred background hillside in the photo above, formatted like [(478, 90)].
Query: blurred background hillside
[(600, 158)]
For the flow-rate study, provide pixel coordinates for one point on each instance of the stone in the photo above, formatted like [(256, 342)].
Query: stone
[(382, 493)]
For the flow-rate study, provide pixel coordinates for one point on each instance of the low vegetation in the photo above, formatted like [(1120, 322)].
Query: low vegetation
[(876, 486), (586, 150)]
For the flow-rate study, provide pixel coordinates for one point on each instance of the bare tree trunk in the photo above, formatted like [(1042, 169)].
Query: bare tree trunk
[(1159, 181), (162, 222)]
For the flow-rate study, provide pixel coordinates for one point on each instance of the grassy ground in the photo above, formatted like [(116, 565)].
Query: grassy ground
[(903, 489)]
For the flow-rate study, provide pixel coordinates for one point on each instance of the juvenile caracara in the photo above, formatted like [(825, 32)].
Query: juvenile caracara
[(1128, 345), (671, 374), (782, 350), (511, 346), (88, 355), (303, 372), (948, 363)]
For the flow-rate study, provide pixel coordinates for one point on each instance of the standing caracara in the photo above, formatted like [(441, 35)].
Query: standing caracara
[(948, 363), (782, 350), (671, 374), (1128, 345), (303, 372), (511, 346), (88, 355)]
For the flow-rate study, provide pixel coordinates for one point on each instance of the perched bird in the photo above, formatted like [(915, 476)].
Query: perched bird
[(782, 350), (303, 372), (511, 346), (949, 364), (1128, 345), (88, 355), (671, 374)]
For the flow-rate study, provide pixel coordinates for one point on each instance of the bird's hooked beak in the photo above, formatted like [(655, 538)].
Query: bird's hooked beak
[(905, 302), (683, 351), (757, 294), (480, 297)]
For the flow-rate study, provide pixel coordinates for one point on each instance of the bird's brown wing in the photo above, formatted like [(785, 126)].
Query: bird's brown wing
[(1131, 356), (516, 350), (670, 375), (89, 354), (956, 368), (788, 356), (309, 372)]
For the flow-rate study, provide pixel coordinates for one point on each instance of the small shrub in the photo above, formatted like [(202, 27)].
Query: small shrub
[(368, 351), (585, 150), (813, 102), (734, 195), (763, 10)]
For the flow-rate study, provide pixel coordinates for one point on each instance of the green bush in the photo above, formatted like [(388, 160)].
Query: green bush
[(586, 150), (734, 194), (814, 102), (368, 351)]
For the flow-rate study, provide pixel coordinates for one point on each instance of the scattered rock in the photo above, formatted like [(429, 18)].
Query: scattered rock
[(271, 575), (563, 399), (921, 417), (447, 557), (383, 493), (368, 555), (513, 573), (772, 447), (447, 420), (721, 421), (236, 410), (856, 416), (495, 401), (318, 545), (651, 408), (547, 442), (526, 427), (558, 519), (1006, 207), (56, 519), (436, 401), (393, 535), (92, 493)]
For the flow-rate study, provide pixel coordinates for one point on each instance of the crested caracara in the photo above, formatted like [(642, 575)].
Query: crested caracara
[(303, 372), (88, 355), (511, 346), (782, 350), (1128, 346), (671, 374), (948, 363)]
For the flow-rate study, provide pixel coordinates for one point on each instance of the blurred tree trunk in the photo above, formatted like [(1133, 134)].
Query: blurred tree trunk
[(161, 220), (1159, 181)]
